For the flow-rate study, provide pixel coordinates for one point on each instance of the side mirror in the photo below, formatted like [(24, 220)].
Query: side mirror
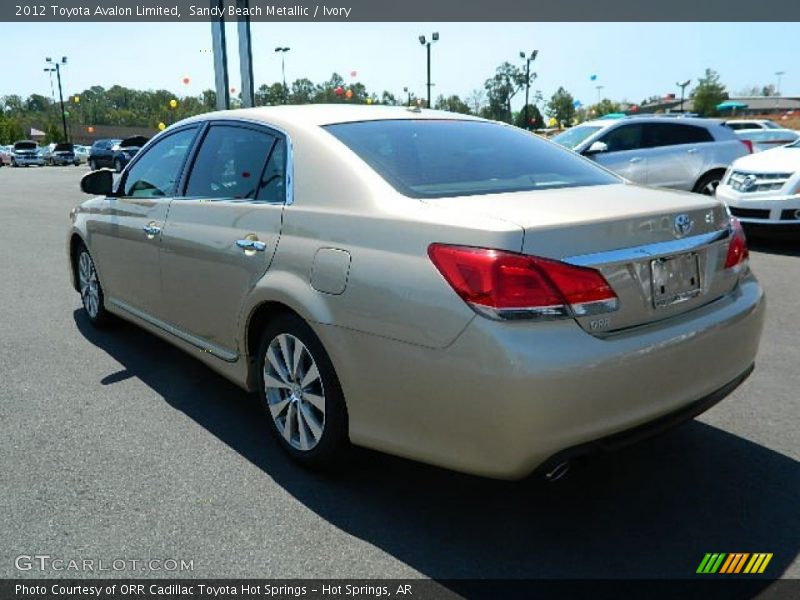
[(596, 148), (98, 183)]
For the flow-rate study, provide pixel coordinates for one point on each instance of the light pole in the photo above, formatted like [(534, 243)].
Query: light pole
[(779, 74), (528, 60), (283, 50), (683, 85), (58, 65), (427, 44), (406, 90), (599, 89)]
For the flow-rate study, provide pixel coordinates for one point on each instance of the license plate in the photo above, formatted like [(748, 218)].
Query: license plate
[(675, 279)]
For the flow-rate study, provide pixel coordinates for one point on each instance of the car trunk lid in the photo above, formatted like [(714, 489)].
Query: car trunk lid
[(662, 252)]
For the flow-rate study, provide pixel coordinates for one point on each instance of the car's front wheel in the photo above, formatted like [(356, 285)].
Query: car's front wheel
[(300, 393), (708, 183), (90, 289)]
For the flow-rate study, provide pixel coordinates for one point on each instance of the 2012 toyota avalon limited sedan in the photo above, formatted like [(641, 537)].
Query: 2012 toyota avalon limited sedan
[(431, 285)]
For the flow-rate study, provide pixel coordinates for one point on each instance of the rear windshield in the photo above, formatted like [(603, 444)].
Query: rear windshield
[(440, 158)]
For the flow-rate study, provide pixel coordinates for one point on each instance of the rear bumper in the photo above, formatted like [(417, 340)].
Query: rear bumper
[(648, 430), (506, 397), (24, 161)]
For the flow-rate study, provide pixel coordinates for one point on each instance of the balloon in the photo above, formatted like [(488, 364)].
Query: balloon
[(233, 90), (349, 94), (593, 77), (90, 129), (339, 91), (77, 99), (634, 108), (161, 126), (66, 113), (186, 81), (369, 100), (353, 73), (552, 122), (576, 104), (173, 103)]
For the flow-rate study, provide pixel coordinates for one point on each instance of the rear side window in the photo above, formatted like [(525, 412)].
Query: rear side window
[(674, 134), (441, 158), (238, 163)]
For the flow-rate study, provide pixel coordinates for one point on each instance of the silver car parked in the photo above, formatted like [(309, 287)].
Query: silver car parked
[(683, 153), (432, 285)]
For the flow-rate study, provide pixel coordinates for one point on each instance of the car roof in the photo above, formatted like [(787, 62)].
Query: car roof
[(316, 115), (699, 121)]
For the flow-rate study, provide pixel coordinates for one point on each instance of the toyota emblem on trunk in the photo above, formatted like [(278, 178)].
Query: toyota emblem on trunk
[(682, 225)]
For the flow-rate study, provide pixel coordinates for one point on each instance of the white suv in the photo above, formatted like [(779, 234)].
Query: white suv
[(765, 188)]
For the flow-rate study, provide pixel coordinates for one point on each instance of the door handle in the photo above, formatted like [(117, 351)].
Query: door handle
[(251, 245), (635, 160), (151, 230)]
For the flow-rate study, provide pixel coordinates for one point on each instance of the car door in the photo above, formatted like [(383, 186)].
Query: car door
[(221, 235), (624, 154), (675, 157), (126, 236)]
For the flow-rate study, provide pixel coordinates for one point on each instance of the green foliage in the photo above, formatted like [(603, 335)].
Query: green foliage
[(507, 81), (604, 107), (561, 107), (708, 94), (535, 118), (452, 104)]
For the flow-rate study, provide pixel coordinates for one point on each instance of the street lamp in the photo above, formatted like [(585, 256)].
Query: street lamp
[(599, 89), (779, 74), (58, 65), (427, 44), (283, 50), (683, 85), (406, 90), (528, 60)]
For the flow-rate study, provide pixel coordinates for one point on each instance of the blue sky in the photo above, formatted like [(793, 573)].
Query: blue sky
[(631, 60)]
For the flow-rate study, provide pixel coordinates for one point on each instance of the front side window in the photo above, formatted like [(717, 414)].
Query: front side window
[(238, 163), (625, 137), (575, 135), (431, 158), (156, 173)]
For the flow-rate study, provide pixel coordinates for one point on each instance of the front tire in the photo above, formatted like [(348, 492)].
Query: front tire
[(300, 393), (91, 291)]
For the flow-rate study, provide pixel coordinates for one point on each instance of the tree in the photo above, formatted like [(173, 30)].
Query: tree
[(302, 91), (604, 107), (535, 118), (452, 103), (708, 94), (502, 87), (389, 99), (769, 90), (561, 107), (651, 100), (476, 100), (270, 95)]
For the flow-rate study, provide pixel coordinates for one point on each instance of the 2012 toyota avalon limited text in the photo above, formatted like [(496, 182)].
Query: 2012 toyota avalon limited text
[(436, 286)]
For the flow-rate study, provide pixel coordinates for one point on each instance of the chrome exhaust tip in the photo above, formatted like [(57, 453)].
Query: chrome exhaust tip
[(558, 472)]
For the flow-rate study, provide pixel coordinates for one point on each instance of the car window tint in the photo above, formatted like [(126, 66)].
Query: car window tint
[(273, 182), (432, 158), (673, 134), (625, 137), (230, 164), (156, 173)]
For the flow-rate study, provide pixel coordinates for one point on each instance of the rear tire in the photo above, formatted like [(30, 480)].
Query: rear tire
[(89, 287), (93, 165), (300, 394), (707, 185)]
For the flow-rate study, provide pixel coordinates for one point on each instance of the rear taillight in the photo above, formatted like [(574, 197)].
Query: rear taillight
[(506, 285), (737, 249), (749, 145)]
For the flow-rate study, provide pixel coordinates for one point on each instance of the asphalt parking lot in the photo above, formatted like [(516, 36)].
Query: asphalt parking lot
[(114, 444)]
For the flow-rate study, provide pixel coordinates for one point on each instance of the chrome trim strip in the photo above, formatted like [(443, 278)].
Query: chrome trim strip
[(634, 253), (195, 341)]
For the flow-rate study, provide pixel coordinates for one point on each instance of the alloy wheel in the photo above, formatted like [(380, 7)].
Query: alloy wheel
[(89, 286), (294, 392)]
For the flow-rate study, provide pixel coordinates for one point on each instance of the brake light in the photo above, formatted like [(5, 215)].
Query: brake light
[(749, 145), (737, 249), (506, 285)]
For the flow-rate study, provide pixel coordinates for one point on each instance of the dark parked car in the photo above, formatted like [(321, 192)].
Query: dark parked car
[(115, 153), (62, 154)]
